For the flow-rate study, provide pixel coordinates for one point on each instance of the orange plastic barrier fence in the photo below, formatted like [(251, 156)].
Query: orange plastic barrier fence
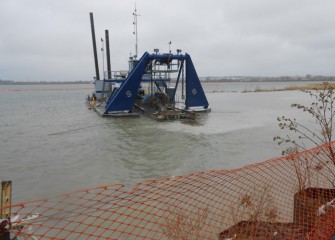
[(285, 198)]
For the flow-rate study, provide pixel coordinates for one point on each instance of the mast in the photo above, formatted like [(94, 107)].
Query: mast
[(97, 77), (135, 31), (108, 55)]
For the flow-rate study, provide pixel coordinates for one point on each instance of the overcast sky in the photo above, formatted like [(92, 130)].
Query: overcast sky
[(50, 40)]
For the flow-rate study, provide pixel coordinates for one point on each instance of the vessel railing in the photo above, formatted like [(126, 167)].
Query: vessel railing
[(116, 75)]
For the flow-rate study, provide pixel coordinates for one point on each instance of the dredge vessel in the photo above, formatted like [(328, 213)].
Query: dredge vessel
[(160, 85)]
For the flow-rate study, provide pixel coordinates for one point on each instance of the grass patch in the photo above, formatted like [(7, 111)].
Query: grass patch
[(314, 86)]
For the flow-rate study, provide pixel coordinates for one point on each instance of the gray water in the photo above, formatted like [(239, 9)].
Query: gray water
[(50, 143)]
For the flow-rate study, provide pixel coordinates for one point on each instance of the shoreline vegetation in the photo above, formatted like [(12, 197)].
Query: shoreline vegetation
[(314, 86)]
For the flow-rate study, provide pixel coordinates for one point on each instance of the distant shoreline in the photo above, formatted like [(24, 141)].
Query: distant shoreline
[(2, 82), (202, 79)]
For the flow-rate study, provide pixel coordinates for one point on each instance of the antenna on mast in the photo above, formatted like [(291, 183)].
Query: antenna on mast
[(135, 31)]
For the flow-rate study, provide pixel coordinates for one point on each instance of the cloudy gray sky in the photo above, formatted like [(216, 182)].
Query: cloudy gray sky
[(50, 40)]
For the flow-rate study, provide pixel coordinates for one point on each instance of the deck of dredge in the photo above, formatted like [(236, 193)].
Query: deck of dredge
[(168, 114), (100, 110)]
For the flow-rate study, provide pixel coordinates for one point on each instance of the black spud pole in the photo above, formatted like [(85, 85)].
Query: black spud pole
[(97, 77)]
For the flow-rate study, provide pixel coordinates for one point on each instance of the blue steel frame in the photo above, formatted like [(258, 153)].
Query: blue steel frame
[(124, 98)]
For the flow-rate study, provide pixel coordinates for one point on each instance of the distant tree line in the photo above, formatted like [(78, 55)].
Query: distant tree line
[(268, 79), (9, 82)]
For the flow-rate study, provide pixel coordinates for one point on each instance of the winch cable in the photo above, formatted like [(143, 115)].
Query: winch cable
[(78, 129)]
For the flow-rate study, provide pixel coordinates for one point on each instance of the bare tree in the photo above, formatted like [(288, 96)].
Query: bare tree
[(321, 111)]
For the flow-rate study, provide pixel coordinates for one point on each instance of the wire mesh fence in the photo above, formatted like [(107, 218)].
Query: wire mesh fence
[(291, 197)]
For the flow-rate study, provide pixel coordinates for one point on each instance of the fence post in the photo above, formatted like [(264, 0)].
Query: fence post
[(6, 199)]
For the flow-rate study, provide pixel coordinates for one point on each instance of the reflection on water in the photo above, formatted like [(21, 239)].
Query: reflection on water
[(89, 151)]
